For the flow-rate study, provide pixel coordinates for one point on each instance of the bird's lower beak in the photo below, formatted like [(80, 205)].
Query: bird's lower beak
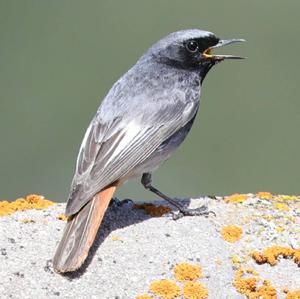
[(207, 54)]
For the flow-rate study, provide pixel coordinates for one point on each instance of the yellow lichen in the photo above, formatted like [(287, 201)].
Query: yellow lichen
[(293, 294), (62, 217), (194, 290), (267, 217), (236, 260), (280, 229), (144, 296), (187, 272), (283, 198), (248, 286), (236, 198), (31, 201), (270, 255), (153, 210), (264, 195), (115, 238), (165, 288), (281, 206), (231, 233)]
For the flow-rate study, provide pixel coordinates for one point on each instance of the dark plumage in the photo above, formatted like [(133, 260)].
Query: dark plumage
[(143, 119)]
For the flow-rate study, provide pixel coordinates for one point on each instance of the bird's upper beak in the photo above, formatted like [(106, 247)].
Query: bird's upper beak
[(207, 54)]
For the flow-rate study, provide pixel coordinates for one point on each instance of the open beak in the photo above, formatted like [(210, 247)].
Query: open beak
[(207, 54)]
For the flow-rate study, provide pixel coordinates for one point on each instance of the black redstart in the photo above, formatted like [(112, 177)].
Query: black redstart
[(142, 120)]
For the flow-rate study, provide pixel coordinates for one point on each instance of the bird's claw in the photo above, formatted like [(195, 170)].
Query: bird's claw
[(115, 202), (126, 201), (201, 211)]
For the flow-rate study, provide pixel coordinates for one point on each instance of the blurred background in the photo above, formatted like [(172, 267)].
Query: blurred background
[(58, 59)]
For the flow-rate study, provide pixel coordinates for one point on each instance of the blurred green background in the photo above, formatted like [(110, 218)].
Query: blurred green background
[(58, 59)]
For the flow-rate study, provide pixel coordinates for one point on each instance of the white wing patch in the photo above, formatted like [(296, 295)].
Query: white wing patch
[(126, 135), (83, 147)]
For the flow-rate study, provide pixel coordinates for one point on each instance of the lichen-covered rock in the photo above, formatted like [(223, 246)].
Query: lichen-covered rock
[(134, 249)]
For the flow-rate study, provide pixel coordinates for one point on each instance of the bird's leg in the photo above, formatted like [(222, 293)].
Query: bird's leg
[(146, 181)]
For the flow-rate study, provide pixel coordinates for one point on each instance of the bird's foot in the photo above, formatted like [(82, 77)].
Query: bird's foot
[(126, 201), (201, 211), (115, 202)]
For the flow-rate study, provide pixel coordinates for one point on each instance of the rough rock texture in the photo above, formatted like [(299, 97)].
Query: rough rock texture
[(133, 250)]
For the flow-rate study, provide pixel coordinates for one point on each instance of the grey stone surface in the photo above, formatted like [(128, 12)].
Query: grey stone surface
[(133, 249)]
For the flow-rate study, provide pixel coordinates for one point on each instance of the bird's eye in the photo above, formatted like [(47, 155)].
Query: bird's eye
[(192, 46)]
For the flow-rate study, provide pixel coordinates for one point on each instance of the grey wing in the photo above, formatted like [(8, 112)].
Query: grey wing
[(111, 149)]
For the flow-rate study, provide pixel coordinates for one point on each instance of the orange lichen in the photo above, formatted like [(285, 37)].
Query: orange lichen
[(144, 296), (285, 290), (236, 198), (249, 285), (153, 210), (264, 195), (62, 217), (164, 288), (271, 254), (293, 294), (194, 290), (259, 257), (31, 201), (187, 272), (245, 285), (266, 291), (168, 289), (296, 256), (231, 233)]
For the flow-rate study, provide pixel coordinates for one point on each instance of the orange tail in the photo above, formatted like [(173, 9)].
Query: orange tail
[(80, 232)]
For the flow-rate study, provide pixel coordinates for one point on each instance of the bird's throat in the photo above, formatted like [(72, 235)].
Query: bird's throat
[(205, 68)]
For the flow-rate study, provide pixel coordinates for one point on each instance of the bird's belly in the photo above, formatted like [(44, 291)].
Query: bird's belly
[(162, 153)]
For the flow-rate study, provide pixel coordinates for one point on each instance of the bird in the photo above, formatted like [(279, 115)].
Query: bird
[(139, 124)]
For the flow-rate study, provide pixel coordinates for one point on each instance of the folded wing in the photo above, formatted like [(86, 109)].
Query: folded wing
[(113, 146)]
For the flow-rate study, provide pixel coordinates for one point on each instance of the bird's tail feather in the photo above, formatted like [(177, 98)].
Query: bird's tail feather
[(80, 232)]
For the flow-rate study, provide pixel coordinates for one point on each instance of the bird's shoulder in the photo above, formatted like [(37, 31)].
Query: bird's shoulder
[(151, 90)]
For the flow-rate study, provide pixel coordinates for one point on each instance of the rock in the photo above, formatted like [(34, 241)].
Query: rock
[(132, 250)]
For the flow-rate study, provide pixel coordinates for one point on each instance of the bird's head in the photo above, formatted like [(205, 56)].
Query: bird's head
[(191, 49)]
